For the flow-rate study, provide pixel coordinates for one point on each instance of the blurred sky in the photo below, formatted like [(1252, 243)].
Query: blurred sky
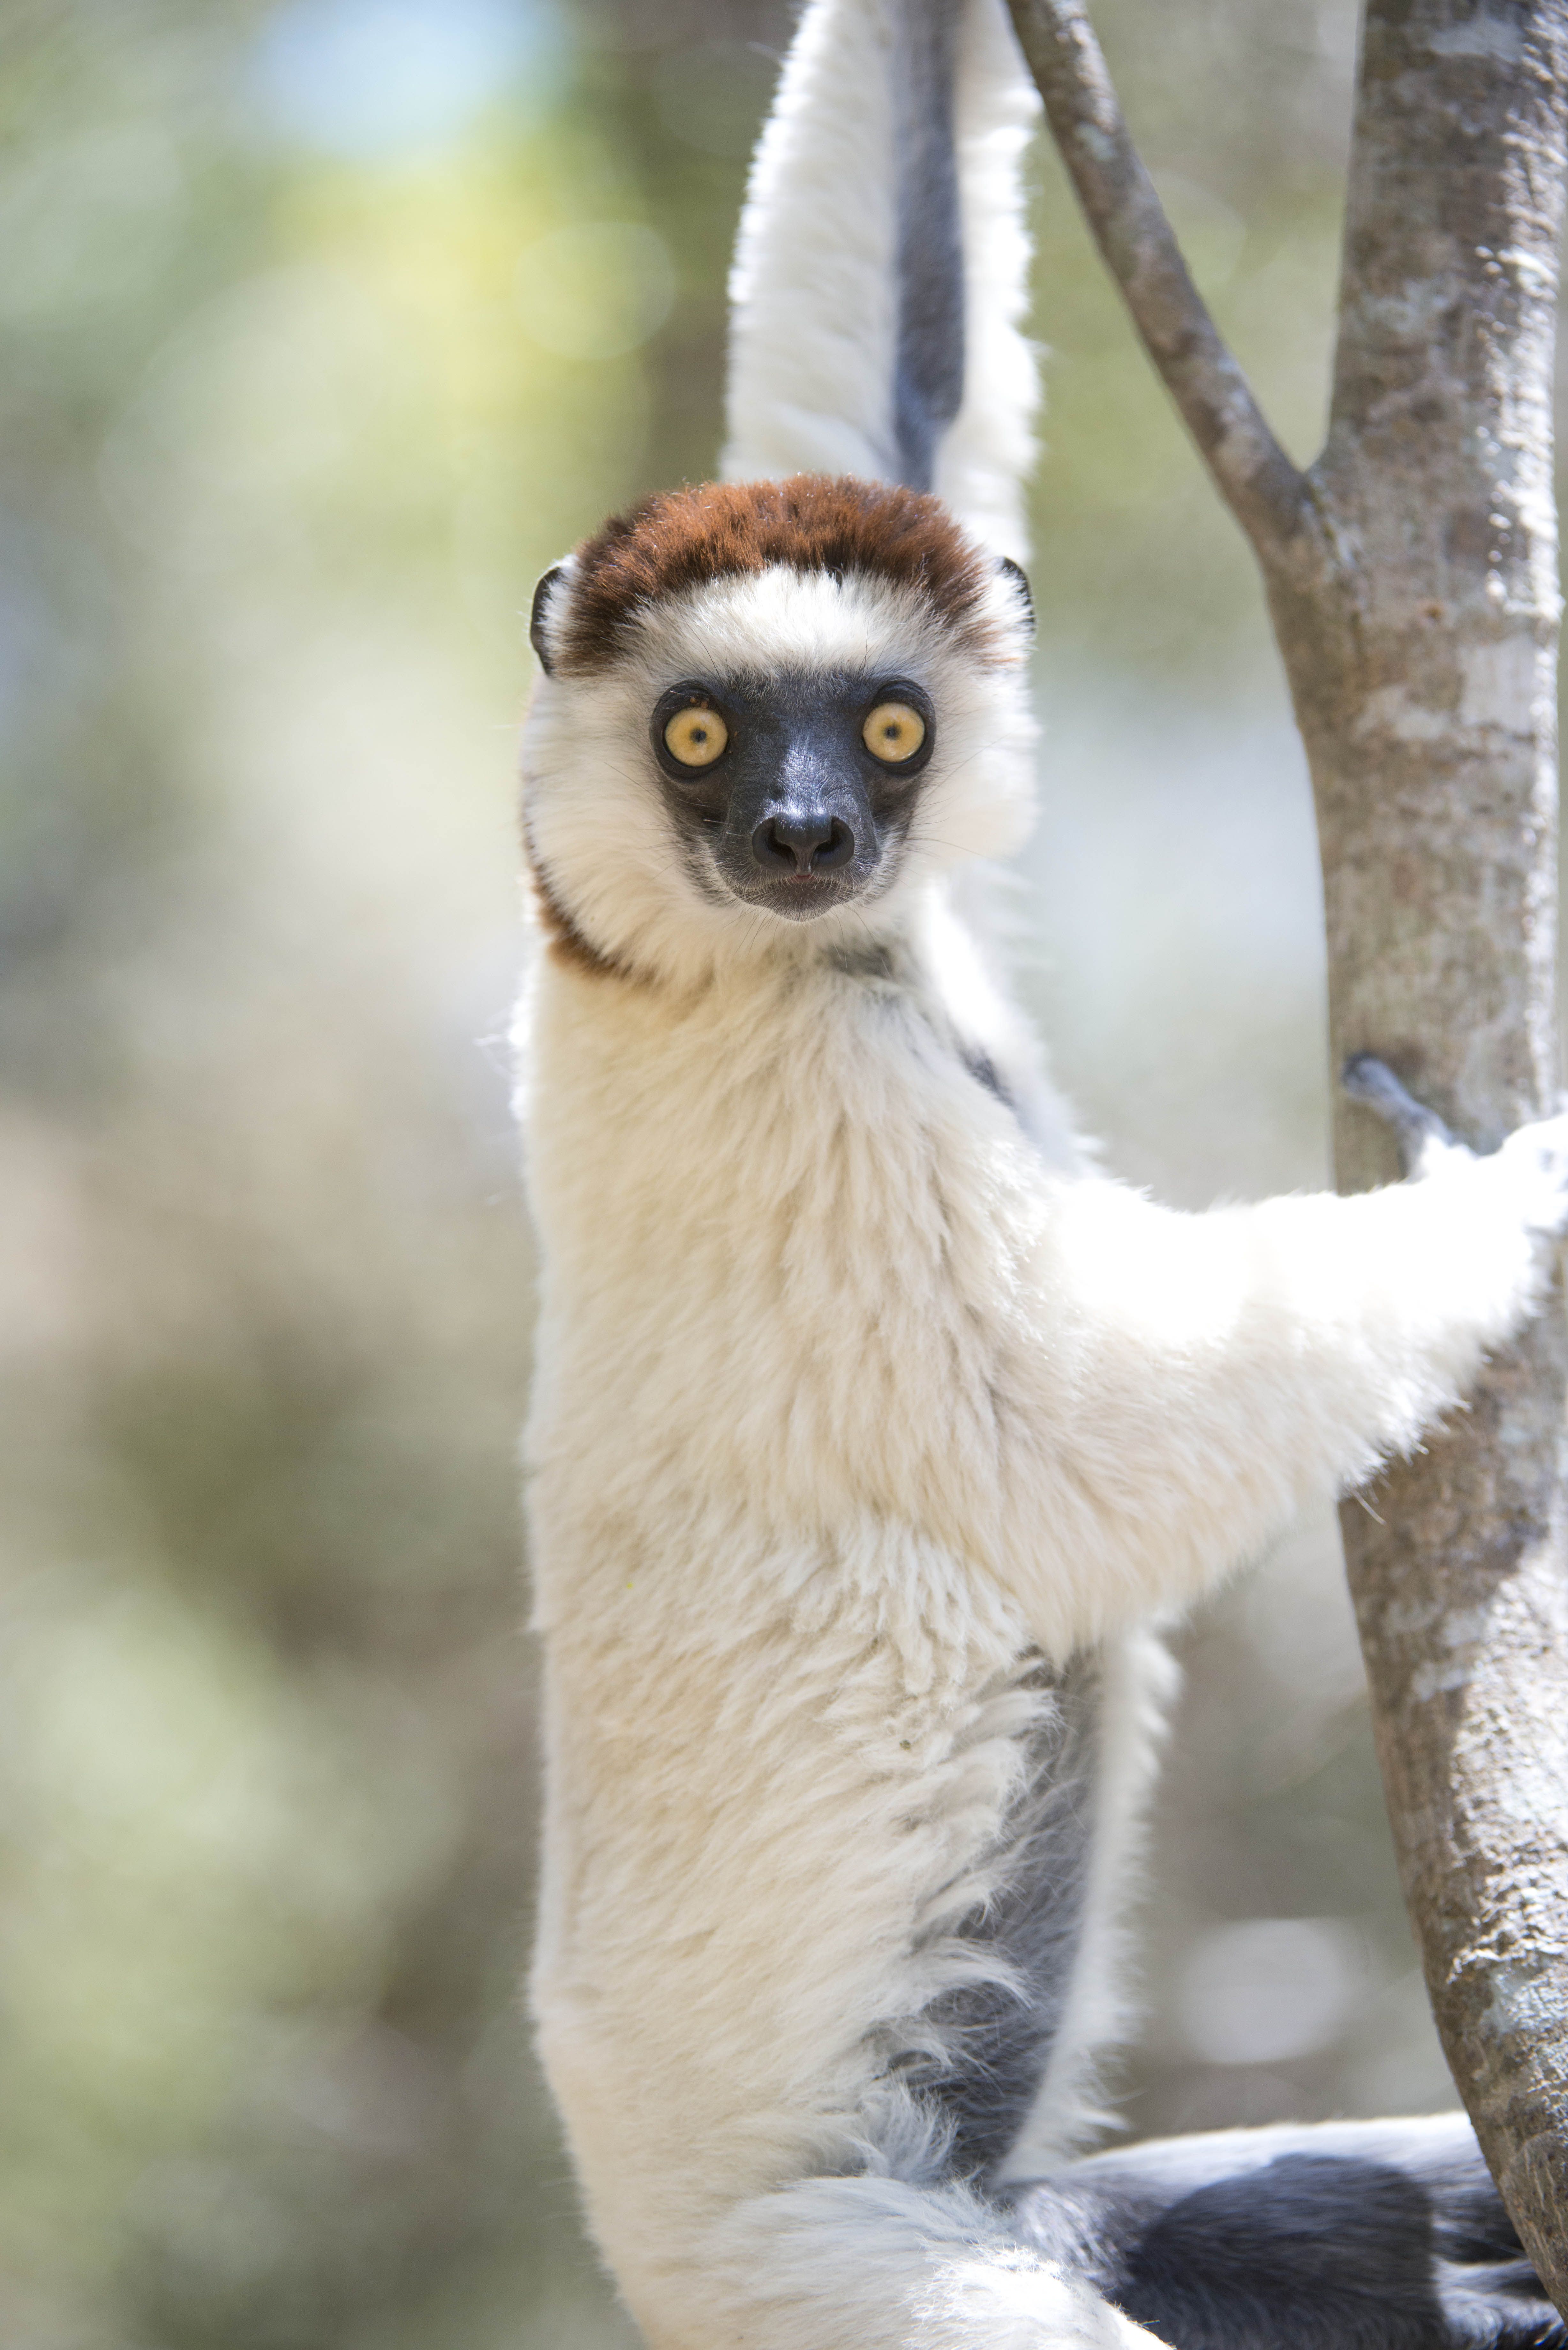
[(324, 328)]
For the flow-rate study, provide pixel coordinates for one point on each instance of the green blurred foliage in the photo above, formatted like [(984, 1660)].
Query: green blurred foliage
[(322, 327)]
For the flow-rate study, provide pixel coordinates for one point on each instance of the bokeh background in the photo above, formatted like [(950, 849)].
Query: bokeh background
[(323, 326)]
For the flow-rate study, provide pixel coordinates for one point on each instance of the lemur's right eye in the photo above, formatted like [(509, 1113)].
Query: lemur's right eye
[(696, 736)]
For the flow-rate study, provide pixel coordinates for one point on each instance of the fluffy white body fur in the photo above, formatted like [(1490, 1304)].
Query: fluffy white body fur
[(860, 1393)]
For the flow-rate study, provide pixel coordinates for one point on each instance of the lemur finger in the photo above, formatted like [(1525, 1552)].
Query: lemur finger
[(1420, 1132), (1537, 1157)]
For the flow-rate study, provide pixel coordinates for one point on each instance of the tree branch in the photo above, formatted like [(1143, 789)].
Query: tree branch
[(1263, 488)]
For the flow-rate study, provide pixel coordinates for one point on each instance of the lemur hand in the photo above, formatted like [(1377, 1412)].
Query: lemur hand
[(1533, 1162), (1537, 1157)]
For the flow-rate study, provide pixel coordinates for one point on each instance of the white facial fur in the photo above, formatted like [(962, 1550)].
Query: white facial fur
[(599, 825)]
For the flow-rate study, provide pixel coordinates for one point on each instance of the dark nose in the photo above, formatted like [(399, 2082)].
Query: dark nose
[(808, 841)]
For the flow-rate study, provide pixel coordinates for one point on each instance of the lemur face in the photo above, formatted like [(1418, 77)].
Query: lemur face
[(793, 790), (769, 708)]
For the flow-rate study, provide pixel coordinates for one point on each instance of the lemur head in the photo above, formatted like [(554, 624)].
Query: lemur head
[(772, 713)]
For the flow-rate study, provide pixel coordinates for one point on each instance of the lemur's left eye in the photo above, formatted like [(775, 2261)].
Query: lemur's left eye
[(696, 736), (893, 733)]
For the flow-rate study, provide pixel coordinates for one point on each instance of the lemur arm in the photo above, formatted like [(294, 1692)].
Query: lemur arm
[(1203, 1375), (881, 267)]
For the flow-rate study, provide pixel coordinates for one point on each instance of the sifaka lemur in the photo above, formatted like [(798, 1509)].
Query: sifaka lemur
[(874, 1428)]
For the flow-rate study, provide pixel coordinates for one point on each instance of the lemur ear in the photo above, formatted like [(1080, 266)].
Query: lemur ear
[(1018, 579), (539, 614)]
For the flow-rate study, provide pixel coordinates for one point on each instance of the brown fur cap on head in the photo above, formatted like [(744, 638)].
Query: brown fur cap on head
[(684, 538)]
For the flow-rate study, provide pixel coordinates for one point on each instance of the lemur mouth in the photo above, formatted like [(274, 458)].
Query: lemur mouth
[(802, 896)]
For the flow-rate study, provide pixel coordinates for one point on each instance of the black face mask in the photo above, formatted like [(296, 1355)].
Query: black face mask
[(796, 786)]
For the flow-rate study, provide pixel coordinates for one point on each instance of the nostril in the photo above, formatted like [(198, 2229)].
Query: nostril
[(837, 849), (814, 842), (773, 848)]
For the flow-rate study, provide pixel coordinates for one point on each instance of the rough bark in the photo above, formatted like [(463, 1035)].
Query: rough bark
[(1412, 576)]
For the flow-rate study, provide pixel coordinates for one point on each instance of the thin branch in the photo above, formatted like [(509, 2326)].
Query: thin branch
[(1259, 482)]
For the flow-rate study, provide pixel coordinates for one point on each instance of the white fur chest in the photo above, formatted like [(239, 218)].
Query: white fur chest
[(785, 1231)]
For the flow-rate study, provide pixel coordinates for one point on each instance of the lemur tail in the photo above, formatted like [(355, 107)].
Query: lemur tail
[(883, 258)]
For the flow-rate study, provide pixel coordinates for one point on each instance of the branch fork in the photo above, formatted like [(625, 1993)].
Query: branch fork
[(1265, 491)]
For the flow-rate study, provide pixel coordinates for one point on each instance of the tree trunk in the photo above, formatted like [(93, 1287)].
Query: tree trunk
[(1412, 576), (1422, 659)]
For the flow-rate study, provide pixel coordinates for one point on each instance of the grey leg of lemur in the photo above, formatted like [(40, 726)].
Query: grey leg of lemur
[(1334, 2236)]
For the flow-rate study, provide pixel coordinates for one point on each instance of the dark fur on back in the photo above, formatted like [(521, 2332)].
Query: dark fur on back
[(811, 522)]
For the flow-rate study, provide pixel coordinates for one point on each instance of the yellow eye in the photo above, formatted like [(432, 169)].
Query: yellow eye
[(893, 731), (696, 736)]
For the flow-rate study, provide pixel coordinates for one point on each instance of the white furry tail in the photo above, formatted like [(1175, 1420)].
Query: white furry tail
[(882, 266)]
